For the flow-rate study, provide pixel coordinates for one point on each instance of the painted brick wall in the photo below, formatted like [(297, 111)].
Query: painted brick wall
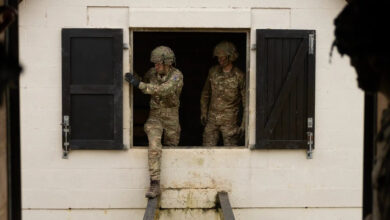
[(266, 184)]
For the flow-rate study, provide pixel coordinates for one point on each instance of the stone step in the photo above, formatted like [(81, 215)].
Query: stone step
[(189, 214), (188, 198)]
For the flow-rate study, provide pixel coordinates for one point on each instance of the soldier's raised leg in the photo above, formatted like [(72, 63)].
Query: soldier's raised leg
[(154, 130)]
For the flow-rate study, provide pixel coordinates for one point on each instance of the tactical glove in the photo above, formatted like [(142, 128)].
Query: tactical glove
[(132, 80)]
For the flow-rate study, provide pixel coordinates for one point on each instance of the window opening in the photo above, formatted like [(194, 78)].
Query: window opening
[(194, 58)]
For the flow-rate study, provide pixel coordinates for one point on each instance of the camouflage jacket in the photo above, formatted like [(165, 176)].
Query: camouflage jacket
[(223, 92), (165, 91), (381, 171)]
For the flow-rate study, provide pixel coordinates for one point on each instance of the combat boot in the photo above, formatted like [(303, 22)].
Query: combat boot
[(154, 189)]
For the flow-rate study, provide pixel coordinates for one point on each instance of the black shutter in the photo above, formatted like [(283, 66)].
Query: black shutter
[(285, 89), (92, 88)]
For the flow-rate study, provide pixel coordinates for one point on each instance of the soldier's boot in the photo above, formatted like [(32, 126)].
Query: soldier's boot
[(154, 189)]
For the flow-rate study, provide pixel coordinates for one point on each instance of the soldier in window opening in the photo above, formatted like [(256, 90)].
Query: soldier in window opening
[(361, 34), (164, 83), (221, 96)]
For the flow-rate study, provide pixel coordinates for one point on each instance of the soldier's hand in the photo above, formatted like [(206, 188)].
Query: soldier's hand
[(241, 131), (132, 79), (203, 119)]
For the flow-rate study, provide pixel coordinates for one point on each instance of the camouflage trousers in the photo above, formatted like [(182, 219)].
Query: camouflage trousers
[(161, 121), (224, 123)]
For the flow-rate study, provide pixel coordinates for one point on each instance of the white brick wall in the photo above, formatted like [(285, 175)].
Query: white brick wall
[(266, 184)]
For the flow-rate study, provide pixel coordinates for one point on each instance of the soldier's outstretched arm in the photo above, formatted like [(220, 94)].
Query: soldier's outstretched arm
[(176, 81)]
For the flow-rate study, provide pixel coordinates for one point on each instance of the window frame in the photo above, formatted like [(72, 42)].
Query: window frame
[(247, 31)]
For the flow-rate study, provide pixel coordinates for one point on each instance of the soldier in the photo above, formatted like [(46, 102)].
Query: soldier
[(164, 83), (360, 34), (221, 96)]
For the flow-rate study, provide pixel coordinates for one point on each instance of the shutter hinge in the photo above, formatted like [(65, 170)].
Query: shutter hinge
[(310, 143), (253, 47), (311, 43), (310, 122), (66, 130)]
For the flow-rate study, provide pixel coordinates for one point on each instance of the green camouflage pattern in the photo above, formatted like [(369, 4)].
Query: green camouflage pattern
[(162, 54), (226, 48), (164, 89), (163, 120), (164, 114), (381, 171), (220, 102)]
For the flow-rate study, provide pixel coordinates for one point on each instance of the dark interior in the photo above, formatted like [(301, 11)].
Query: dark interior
[(194, 57)]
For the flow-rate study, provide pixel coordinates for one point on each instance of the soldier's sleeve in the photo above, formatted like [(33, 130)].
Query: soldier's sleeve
[(243, 96), (205, 96), (166, 88), (242, 89)]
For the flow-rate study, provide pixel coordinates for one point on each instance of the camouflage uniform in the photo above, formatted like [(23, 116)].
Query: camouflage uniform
[(164, 114), (381, 171), (221, 96), (220, 100), (164, 84)]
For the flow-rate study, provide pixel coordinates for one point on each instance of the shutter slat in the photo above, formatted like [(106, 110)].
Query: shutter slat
[(292, 133), (285, 118), (271, 78), (262, 91)]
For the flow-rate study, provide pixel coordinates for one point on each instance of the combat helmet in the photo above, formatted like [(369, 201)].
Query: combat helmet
[(162, 54), (226, 48)]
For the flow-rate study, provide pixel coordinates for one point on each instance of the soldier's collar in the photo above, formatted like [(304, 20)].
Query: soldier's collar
[(164, 77), (168, 73), (220, 70)]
